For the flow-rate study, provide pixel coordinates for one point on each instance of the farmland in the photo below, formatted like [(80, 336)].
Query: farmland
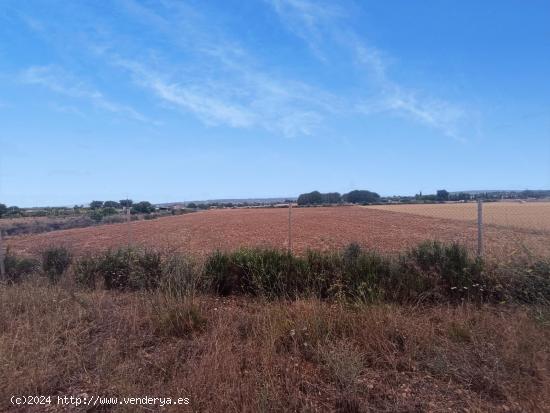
[(386, 229), (523, 215), (231, 332)]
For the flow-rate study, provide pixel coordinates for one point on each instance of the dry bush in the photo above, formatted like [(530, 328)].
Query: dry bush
[(177, 317), (253, 355)]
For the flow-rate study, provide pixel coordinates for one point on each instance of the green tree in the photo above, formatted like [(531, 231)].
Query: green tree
[(192, 205), (96, 215), (311, 198), (96, 204), (143, 207), (111, 204), (13, 211), (331, 198), (3, 210), (361, 197), (126, 202), (109, 211), (442, 195)]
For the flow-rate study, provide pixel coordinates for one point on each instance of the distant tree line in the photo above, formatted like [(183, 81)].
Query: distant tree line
[(441, 195), (97, 209), (143, 207), (354, 197)]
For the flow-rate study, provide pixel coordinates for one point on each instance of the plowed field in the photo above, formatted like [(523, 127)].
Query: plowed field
[(312, 228)]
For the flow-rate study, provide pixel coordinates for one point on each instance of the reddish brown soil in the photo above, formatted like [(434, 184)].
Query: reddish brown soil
[(312, 228)]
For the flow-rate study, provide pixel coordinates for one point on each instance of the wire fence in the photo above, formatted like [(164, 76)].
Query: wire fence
[(490, 229), (501, 230)]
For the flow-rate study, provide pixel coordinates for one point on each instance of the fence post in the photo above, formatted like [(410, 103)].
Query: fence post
[(2, 266), (480, 228), (290, 227), (129, 220)]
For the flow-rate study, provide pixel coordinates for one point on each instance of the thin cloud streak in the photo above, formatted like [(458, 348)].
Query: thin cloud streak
[(248, 100), (59, 81), (311, 22), (220, 82)]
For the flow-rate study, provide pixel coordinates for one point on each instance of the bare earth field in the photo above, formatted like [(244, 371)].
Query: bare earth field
[(525, 215), (312, 228)]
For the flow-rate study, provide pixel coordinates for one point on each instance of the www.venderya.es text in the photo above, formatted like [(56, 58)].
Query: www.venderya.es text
[(94, 400)]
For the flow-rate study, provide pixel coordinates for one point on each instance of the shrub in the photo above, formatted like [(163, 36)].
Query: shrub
[(344, 363), (85, 271), (526, 283), (175, 318), (322, 275), (366, 275), (124, 269), (435, 269), (55, 261), (432, 271), (181, 277), (147, 270), (96, 215), (267, 272), (217, 267), (109, 211), (19, 267), (114, 219)]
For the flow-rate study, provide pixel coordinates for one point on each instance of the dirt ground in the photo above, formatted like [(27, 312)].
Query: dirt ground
[(312, 228)]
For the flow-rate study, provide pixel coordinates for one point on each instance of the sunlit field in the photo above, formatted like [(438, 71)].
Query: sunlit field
[(525, 215)]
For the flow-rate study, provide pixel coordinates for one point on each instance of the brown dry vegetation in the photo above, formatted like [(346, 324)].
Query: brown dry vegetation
[(251, 355), (313, 228)]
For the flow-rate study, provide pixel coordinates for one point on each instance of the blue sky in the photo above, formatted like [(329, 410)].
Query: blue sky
[(184, 100)]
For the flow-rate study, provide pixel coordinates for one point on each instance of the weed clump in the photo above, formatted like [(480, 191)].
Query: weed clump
[(181, 277), (18, 268), (265, 272), (55, 261), (177, 318), (85, 271), (122, 269)]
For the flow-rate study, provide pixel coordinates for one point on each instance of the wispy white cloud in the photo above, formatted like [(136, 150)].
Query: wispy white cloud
[(202, 70), (60, 81), (225, 84), (308, 20), (249, 99), (316, 22)]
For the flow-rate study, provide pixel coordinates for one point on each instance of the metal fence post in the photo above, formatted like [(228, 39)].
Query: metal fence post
[(480, 228), (290, 227), (2, 266), (129, 220)]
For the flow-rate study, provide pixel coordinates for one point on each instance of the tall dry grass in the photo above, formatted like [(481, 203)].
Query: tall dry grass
[(245, 354)]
